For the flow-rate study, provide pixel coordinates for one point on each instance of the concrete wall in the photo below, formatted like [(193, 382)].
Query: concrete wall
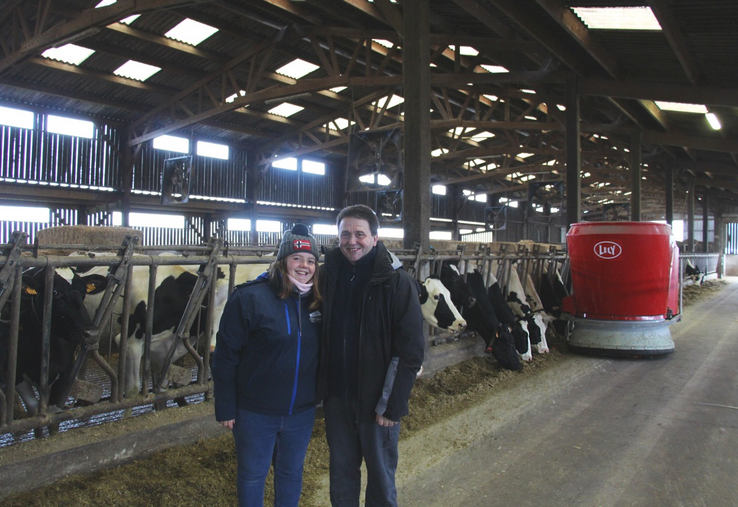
[(731, 265)]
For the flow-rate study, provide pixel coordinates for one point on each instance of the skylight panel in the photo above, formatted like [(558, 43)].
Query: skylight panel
[(69, 126), (213, 150), (494, 69), (338, 89), (105, 3), (438, 152), (467, 51), (384, 42), (136, 70), (618, 18), (286, 109), (130, 19), (338, 124), (233, 97), (394, 100), (16, 118), (681, 107), (297, 69), (68, 53), (481, 136), (191, 32)]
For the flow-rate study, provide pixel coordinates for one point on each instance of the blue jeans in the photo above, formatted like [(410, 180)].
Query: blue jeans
[(349, 442), (262, 440)]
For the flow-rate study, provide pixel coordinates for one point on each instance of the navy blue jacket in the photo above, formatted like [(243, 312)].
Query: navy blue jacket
[(266, 353)]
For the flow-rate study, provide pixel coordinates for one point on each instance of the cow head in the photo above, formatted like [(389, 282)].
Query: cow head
[(69, 318), (438, 309), (461, 294)]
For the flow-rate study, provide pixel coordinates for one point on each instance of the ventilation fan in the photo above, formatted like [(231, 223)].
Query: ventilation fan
[(495, 218), (543, 195), (175, 180), (375, 161), (389, 205)]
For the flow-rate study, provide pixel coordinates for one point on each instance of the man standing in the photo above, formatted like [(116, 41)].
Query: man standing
[(373, 348)]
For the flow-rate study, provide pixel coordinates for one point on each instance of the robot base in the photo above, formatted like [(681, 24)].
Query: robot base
[(621, 338)]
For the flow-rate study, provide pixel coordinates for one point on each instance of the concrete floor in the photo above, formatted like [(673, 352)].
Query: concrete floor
[(621, 432)]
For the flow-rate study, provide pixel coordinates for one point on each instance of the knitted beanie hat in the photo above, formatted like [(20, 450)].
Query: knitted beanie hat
[(298, 240)]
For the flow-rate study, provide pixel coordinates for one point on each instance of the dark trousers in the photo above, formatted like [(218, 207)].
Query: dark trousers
[(350, 442)]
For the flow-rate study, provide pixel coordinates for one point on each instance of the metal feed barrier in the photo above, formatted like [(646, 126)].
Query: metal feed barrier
[(92, 399)]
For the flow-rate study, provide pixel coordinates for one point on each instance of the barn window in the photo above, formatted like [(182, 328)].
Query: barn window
[(286, 163), (441, 235), (16, 118), (171, 143), (239, 224), (439, 189), (69, 126), (268, 226), (214, 150), (313, 167), (28, 214), (150, 220), (326, 229), (391, 232)]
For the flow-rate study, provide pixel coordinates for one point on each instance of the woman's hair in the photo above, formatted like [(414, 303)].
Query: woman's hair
[(283, 286)]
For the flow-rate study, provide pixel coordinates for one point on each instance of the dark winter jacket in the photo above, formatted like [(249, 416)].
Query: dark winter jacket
[(266, 353), (391, 342)]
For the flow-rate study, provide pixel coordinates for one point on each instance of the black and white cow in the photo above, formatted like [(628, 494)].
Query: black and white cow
[(461, 294), (69, 321), (481, 316), (693, 272), (174, 285), (438, 309)]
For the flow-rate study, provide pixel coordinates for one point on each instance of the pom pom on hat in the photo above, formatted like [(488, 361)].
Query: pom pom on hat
[(298, 240)]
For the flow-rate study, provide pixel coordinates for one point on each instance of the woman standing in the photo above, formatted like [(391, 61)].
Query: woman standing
[(265, 368)]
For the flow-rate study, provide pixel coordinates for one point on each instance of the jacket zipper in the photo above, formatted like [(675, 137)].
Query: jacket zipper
[(299, 347)]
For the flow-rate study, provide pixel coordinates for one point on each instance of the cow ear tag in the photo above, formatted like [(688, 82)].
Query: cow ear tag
[(29, 290)]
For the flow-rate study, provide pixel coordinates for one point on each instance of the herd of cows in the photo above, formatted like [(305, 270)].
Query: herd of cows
[(511, 318)]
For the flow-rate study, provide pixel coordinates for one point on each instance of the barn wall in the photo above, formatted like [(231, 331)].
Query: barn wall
[(39, 156)]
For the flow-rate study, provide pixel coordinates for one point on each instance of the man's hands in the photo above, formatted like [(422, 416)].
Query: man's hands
[(228, 424), (383, 421)]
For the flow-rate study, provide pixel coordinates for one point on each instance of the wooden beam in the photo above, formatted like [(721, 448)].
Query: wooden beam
[(709, 95)]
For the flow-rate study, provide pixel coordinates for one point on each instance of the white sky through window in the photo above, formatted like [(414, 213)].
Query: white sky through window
[(16, 117)]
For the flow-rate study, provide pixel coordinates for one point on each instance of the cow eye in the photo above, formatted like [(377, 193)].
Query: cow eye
[(437, 297)]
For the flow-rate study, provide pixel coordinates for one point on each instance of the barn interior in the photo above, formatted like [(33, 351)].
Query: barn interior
[(518, 118), (475, 121)]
